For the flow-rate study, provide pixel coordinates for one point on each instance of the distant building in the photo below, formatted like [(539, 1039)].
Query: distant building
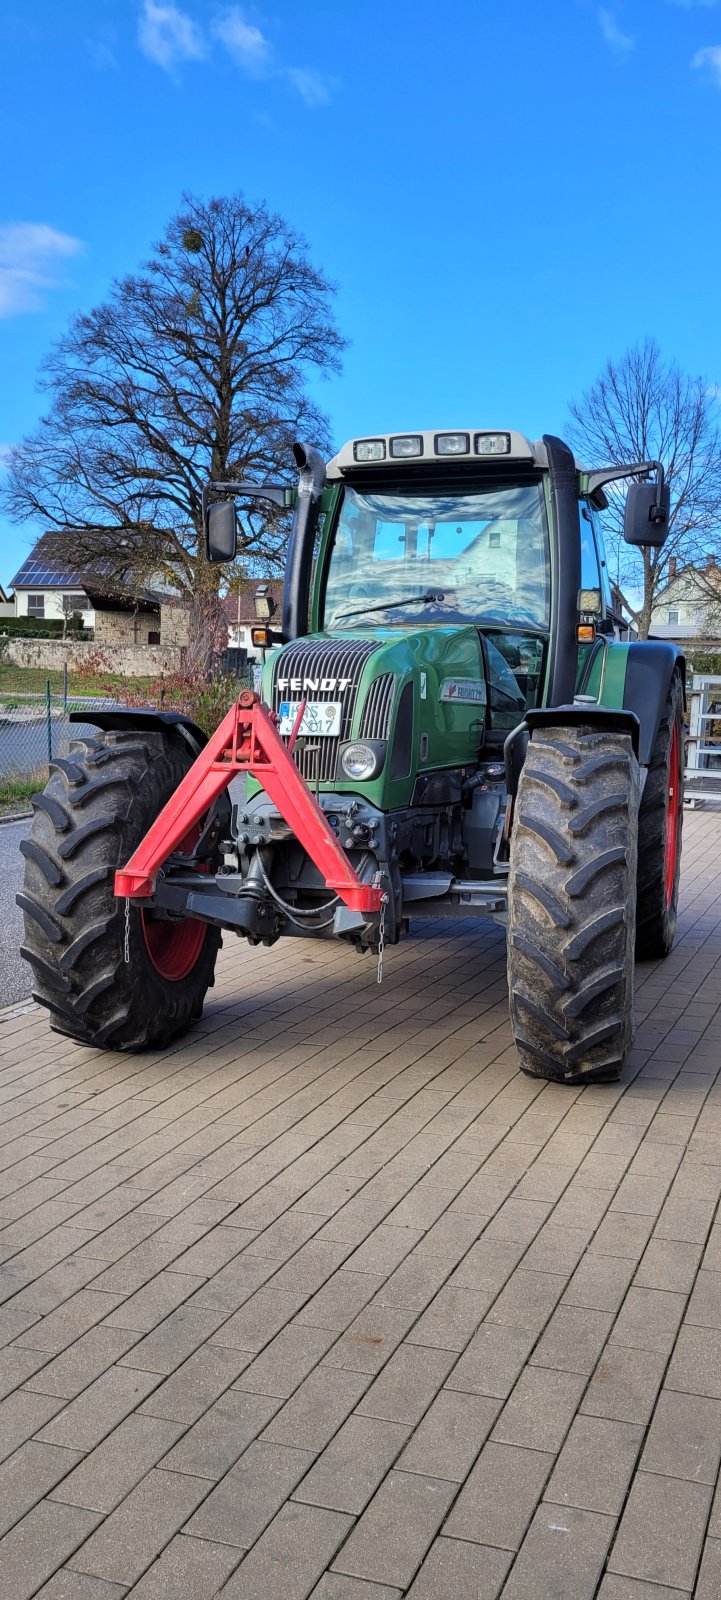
[(623, 616), (240, 613), (49, 592), (7, 603), (120, 614), (687, 608)]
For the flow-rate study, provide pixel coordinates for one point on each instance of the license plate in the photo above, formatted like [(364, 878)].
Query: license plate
[(321, 718)]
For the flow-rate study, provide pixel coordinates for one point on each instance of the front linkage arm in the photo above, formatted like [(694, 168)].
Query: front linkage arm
[(246, 741)]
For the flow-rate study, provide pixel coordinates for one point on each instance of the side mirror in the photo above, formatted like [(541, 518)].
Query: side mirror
[(221, 530), (647, 514)]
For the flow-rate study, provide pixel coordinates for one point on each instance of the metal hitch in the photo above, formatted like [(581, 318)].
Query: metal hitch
[(246, 741)]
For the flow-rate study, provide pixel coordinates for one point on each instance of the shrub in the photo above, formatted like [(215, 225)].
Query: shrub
[(708, 661), (33, 628), (205, 701)]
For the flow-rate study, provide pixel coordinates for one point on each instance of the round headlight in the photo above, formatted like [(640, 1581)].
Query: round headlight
[(358, 761)]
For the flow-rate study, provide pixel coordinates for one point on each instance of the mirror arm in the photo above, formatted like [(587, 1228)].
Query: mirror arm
[(254, 491), (638, 469)]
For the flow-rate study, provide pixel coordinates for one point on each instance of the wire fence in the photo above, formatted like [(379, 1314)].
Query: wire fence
[(36, 707)]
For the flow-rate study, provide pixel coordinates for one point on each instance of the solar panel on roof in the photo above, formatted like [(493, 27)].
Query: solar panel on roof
[(35, 574), (40, 572)]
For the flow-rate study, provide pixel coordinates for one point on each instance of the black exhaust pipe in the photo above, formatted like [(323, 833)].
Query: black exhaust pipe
[(296, 588)]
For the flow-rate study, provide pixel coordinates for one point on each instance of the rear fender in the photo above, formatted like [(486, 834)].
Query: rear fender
[(650, 667), (637, 674), (128, 719)]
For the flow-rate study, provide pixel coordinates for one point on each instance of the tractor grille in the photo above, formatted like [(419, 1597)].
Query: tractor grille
[(318, 662), (376, 718)]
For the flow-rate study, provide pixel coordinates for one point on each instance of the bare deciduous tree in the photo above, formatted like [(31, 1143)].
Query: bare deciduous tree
[(642, 408), (195, 367)]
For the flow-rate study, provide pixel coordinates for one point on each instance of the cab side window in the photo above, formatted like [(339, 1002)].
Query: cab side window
[(590, 565), (600, 548), (591, 578)]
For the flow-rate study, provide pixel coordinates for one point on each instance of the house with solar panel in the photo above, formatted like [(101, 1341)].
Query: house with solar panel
[(7, 603), (48, 590)]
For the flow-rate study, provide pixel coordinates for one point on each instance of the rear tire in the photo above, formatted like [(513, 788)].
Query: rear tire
[(660, 825), (96, 808), (572, 903)]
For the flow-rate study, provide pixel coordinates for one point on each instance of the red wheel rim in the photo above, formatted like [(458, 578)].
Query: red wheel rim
[(174, 947), (672, 814)]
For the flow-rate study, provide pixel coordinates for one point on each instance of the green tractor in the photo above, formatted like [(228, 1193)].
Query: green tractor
[(450, 726)]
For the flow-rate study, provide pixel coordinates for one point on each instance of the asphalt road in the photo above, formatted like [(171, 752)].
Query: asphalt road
[(15, 973)]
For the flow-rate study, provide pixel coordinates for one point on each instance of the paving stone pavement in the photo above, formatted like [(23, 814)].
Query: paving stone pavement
[(328, 1300)]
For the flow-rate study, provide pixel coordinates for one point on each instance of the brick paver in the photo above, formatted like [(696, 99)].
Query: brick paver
[(328, 1301)]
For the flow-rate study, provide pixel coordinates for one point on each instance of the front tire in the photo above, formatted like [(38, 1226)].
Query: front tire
[(96, 808), (572, 903)]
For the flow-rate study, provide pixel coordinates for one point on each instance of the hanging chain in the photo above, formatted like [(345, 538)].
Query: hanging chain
[(382, 937), (126, 941)]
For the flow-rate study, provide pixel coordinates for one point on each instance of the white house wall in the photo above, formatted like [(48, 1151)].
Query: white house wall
[(53, 606), (239, 638)]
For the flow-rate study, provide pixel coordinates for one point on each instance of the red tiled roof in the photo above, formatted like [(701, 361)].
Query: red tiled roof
[(240, 608)]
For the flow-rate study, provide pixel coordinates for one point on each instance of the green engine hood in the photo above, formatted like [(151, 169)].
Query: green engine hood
[(442, 673)]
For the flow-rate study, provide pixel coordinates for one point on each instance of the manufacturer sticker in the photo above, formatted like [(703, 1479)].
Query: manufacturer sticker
[(465, 691)]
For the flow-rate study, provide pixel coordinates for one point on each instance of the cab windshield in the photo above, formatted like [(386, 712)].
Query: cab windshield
[(479, 557)]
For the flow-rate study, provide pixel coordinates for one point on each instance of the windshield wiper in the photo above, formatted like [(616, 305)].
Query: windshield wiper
[(391, 605)]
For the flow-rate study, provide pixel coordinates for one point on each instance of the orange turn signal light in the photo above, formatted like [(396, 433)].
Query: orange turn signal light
[(260, 637), (585, 633)]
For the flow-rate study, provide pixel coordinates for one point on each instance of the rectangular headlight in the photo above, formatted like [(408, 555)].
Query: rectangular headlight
[(492, 444), (452, 444), (411, 444), (369, 450)]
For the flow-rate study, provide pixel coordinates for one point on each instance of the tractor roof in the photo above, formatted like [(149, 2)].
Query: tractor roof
[(436, 445)]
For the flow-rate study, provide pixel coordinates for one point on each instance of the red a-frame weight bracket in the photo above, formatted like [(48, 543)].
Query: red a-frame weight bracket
[(246, 741)]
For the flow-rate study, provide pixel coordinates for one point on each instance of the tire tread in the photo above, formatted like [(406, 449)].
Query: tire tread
[(572, 906)]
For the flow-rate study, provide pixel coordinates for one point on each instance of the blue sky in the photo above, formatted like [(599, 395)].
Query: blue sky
[(505, 195)]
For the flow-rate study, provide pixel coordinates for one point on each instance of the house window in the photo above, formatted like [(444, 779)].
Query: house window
[(673, 616), (76, 602), (494, 539), (36, 605), (154, 636)]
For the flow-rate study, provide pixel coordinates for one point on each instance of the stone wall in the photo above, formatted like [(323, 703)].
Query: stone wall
[(131, 661), (174, 625), (126, 627)]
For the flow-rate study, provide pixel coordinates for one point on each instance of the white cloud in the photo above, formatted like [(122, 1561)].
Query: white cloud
[(168, 36), (29, 255), (315, 89), (243, 41), (621, 43), (710, 57)]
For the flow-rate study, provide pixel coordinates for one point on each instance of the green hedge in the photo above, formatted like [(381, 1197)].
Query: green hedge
[(33, 628), (708, 661)]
